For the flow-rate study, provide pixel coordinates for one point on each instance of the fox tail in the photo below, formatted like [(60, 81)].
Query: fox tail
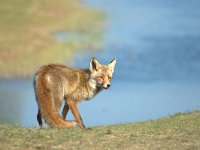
[(45, 100)]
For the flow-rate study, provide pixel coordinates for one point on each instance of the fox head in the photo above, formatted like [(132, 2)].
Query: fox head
[(102, 74)]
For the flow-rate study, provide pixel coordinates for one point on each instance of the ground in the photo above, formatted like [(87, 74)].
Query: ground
[(181, 131)]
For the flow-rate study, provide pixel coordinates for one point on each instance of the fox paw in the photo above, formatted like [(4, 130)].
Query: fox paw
[(74, 123), (81, 125)]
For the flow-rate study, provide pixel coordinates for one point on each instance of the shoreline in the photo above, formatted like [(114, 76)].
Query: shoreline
[(28, 40)]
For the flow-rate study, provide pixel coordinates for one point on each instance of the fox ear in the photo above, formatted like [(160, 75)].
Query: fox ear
[(111, 65), (94, 64)]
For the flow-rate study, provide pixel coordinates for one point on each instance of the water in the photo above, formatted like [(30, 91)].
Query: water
[(157, 72)]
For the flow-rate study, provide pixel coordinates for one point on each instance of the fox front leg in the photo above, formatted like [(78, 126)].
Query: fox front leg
[(73, 107)]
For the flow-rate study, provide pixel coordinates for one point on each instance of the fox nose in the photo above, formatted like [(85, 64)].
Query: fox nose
[(108, 85)]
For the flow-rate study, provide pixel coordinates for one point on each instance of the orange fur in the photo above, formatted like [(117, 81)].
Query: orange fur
[(56, 82)]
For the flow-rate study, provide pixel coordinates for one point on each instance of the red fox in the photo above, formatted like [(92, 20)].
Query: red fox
[(55, 82)]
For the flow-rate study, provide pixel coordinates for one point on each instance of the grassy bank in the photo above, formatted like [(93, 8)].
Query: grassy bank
[(181, 131), (27, 29)]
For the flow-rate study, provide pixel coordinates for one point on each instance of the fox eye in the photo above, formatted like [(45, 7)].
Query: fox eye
[(109, 77), (101, 78)]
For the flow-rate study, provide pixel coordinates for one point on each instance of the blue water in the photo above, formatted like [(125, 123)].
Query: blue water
[(156, 44)]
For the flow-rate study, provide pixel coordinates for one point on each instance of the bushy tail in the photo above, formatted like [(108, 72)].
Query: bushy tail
[(45, 100)]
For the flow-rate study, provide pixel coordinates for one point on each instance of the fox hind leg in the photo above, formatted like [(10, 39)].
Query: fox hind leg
[(65, 111), (39, 119)]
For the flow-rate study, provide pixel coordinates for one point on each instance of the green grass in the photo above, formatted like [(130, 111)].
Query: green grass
[(27, 29), (180, 131)]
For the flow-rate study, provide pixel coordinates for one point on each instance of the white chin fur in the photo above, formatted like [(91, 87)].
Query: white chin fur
[(92, 83)]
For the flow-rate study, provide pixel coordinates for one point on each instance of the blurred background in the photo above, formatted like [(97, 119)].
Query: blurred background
[(156, 44)]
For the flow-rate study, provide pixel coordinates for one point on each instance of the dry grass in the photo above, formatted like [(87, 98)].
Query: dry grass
[(181, 131), (27, 29)]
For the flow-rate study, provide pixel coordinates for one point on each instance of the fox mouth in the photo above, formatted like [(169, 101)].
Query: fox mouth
[(105, 88)]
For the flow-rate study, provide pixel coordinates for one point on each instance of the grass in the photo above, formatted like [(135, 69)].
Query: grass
[(27, 29), (181, 131)]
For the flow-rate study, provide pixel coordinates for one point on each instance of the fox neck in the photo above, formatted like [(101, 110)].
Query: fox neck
[(92, 84), (93, 89)]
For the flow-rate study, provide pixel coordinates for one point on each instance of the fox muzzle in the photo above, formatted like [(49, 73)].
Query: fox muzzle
[(106, 86)]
